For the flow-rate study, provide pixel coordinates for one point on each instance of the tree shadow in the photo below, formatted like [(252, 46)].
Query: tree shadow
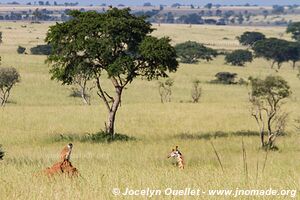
[(99, 137), (214, 135)]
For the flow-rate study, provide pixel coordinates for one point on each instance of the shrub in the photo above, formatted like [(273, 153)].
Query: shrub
[(41, 50), (165, 90), (225, 78), (196, 91), (21, 50)]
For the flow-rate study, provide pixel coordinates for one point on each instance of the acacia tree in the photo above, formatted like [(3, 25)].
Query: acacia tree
[(250, 38), (115, 44), (267, 96), (191, 52), (239, 57), (8, 78), (273, 49)]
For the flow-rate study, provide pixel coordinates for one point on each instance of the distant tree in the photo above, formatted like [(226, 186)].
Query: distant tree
[(47, 3), (165, 90), (1, 39), (115, 43), (273, 49), (55, 3), (147, 4), (250, 38), (21, 50), (267, 96), (226, 78), (232, 20), (265, 13), (240, 18), (277, 9), (191, 19), (228, 14), (239, 57), (41, 3), (175, 5), (169, 18), (41, 50), (210, 21), (219, 12), (208, 6), (196, 91), (8, 78), (294, 29), (191, 52)]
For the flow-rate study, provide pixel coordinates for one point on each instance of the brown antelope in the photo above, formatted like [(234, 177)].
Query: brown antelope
[(176, 154)]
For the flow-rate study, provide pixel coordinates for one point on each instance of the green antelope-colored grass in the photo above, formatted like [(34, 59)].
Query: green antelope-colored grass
[(40, 110)]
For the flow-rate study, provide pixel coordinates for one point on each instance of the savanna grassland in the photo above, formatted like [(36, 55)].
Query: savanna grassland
[(40, 110)]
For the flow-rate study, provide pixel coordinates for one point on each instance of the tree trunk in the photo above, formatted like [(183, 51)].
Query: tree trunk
[(110, 128), (84, 96), (272, 64), (294, 64), (262, 139)]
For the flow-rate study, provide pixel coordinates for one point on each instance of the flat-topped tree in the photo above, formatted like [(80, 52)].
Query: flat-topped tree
[(250, 38), (116, 45)]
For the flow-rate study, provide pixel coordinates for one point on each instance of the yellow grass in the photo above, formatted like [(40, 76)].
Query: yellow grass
[(41, 109)]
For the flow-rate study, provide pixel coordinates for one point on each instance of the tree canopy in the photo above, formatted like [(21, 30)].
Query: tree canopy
[(191, 52), (294, 29), (273, 49), (116, 43), (239, 57), (250, 38)]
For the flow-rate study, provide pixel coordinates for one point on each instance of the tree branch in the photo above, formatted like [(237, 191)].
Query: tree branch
[(102, 95)]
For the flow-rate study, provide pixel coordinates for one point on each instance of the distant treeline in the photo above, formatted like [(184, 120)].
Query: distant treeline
[(209, 14)]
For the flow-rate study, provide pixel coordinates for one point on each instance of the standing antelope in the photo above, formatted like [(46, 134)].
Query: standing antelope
[(175, 153)]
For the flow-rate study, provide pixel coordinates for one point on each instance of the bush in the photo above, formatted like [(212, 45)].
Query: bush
[(21, 50), (239, 57), (196, 91), (41, 50), (226, 78), (8, 78), (165, 90)]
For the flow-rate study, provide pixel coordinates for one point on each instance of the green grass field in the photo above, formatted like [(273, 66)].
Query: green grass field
[(40, 110)]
